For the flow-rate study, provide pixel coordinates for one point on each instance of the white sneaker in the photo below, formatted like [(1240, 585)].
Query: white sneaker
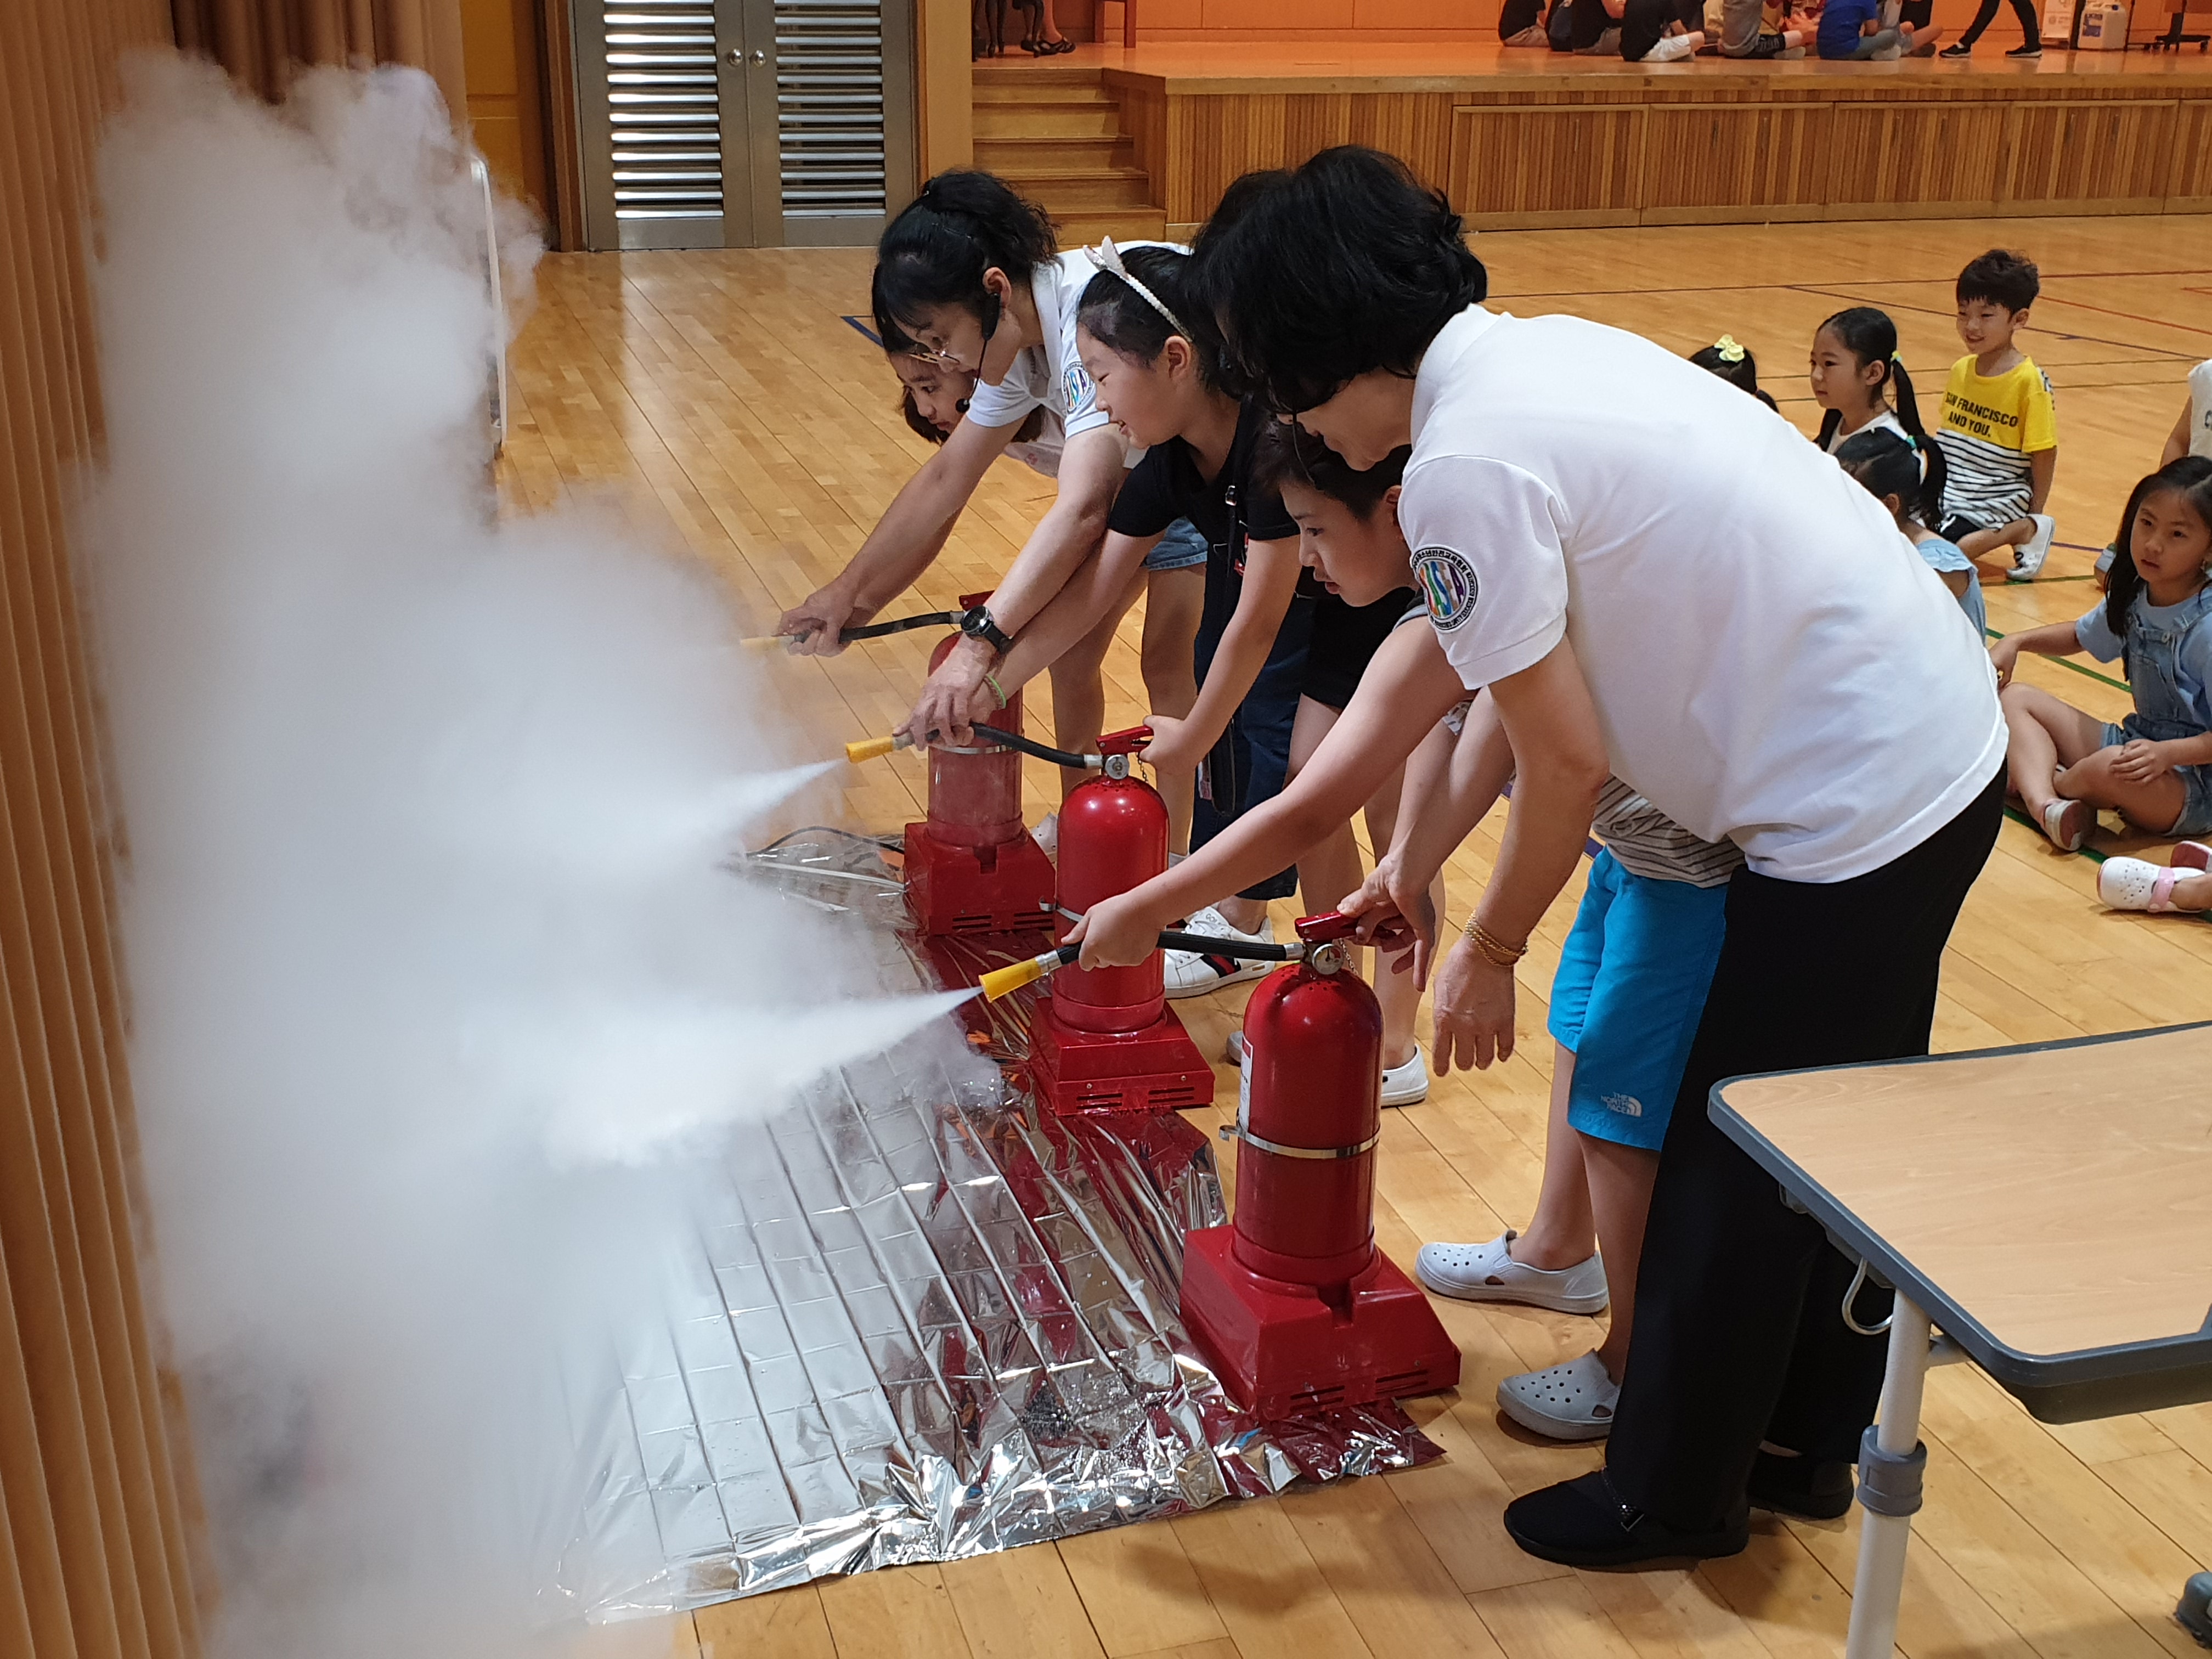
[(1402, 1086), (1573, 1401), (1192, 973), (2027, 558), (1887, 55), (1406, 1084), (2066, 823), (1672, 47), (1488, 1273), (1047, 836)]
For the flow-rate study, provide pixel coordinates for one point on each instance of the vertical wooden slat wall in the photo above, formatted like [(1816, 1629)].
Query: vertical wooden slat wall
[(93, 1533)]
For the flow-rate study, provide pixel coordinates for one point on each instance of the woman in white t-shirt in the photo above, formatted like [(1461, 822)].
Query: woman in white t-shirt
[(2193, 433), (969, 271), (1655, 577)]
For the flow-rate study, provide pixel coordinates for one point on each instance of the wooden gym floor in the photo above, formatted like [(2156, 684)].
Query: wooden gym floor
[(721, 400)]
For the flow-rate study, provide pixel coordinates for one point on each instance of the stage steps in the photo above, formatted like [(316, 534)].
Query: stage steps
[(1055, 135)]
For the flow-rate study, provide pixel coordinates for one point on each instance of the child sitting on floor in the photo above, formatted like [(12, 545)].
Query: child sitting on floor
[(1859, 380), (2155, 767), (1907, 477), (1851, 30), (1999, 427), (1733, 363)]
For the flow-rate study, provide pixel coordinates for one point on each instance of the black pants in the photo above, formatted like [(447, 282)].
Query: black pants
[(2031, 28), (1739, 1334)]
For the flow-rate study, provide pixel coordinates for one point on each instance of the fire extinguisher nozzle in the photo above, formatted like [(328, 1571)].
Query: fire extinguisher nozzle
[(869, 748), (1005, 981)]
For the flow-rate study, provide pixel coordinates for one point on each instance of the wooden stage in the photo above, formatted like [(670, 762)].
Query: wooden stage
[(1532, 140)]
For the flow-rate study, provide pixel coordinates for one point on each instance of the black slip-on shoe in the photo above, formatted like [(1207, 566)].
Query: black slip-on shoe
[(1810, 1488), (1581, 1523), (2032, 49)]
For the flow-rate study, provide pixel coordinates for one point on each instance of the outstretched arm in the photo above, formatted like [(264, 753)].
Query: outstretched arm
[(1271, 579), (1091, 474), (902, 543), (1406, 689)]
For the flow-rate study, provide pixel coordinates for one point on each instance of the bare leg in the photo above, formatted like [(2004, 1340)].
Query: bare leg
[(2046, 735), (1620, 1180), (1050, 29), (1173, 601), (1982, 543), (1563, 1231), (2152, 806), (1078, 687)]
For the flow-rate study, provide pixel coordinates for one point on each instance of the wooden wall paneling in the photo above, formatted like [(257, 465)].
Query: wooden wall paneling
[(1530, 169), (564, 144), (2084, 155), (1144, 105), (95, 1557), (1934, 156), (1710, 162), (944, 89), (2189, 176)]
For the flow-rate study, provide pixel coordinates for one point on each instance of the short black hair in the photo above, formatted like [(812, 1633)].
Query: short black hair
[(1739, 369), (935, 252), (1287, 454), (2002, 278), (1121, 320), (1346, 264)]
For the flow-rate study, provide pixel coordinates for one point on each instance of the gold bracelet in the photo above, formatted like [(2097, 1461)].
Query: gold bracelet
[(998, 691), (1501, 954)]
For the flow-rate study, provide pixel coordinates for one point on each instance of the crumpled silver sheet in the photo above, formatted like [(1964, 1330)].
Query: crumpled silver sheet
[(935, 1323)]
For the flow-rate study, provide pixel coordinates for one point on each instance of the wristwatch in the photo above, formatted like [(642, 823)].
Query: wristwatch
[(976, 624)]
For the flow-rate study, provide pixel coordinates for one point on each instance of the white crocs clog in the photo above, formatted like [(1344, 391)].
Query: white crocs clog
[(1573, 1401), (2137, 884), (1488, 1273)]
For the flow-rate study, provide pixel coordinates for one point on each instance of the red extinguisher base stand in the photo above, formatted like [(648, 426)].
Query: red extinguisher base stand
[(1283, 1349), (969, 889), (1157, 1069)]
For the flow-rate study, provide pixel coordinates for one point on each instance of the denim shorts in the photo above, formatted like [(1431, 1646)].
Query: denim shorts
[(2196, 817), (1180, 547), (1628, 995)]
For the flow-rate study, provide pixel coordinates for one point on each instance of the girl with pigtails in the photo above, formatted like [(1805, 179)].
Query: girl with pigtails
[(1860, 381)]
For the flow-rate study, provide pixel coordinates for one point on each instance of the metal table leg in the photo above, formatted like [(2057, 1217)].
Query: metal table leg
[(1891, 1459)]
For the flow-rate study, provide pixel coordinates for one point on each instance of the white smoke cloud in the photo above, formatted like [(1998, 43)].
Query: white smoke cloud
[(438, 998)]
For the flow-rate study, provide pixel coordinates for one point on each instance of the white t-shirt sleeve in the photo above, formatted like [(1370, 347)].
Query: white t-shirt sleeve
[(1078, 396), (1488, 562), (1008, 403)]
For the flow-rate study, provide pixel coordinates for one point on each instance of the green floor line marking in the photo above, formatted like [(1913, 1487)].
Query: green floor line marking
[(2083, 851), (2064, 662)]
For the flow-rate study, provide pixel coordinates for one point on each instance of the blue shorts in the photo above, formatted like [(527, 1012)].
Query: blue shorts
[(1180, 548), (2196, 817), (1629, 994)]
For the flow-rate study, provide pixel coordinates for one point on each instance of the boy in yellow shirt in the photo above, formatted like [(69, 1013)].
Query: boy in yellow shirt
[(1999, 427)]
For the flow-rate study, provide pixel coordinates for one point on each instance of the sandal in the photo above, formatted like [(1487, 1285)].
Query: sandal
[(1054, 48), (2066, 823), (2137, 884), (1488, 1273), (1573, 1401)]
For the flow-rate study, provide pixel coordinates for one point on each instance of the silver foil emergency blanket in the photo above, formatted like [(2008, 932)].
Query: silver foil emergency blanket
[(926, 1321)]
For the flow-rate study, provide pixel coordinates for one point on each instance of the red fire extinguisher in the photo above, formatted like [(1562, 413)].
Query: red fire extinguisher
[(1292, 1300), (1113, 836)]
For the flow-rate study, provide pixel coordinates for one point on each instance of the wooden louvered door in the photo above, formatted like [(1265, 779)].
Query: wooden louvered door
[(743, 122)]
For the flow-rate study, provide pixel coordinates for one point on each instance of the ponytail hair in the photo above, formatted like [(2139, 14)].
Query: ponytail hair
[(1118, 316), (1871, 337), (1910, 469), (935, 252), (1733, 363), (1287, 454), (2191, 478)]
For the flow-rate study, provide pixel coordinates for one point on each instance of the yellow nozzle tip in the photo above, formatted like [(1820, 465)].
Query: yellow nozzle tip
[(1005, 981), (869, 748)]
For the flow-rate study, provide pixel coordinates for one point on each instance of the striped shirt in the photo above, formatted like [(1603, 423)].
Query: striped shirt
[(1989, 426), (1647, 842)]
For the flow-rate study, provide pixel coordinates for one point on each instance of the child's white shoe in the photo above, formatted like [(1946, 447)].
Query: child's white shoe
[(1047, 836), (1488, 1273), (1406, 1084), (2028, 557), (1191, 974), (2066, 823), (1668, 51), (2137, 884), (1573, 1401)]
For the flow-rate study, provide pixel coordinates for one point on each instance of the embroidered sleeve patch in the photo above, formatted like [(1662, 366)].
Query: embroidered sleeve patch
[(1448, 585), (1078, 388)]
